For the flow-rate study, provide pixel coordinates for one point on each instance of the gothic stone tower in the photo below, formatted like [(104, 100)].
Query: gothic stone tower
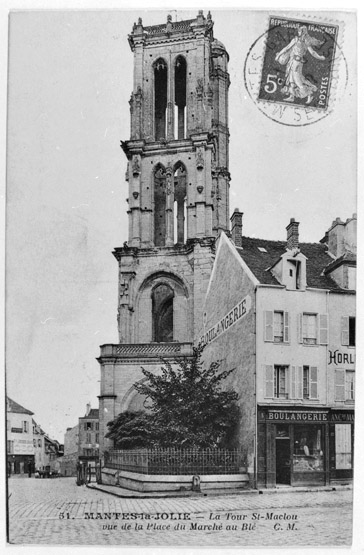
[(178, 202)]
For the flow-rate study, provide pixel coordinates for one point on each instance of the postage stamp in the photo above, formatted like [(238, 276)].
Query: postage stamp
[(296, 69), (298, 63)]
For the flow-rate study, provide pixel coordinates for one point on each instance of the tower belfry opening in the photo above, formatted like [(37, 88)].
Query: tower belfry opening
[(180, 86), (160, 98), (162, 308), (160, 206), (180, 197)]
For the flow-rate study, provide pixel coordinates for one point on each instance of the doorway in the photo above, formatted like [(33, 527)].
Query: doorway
[(283, 456)]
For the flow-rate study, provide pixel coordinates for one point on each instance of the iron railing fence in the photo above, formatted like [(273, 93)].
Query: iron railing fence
[(176, 461)]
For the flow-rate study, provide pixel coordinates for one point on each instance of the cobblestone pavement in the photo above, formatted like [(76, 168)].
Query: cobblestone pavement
[(59, 512)]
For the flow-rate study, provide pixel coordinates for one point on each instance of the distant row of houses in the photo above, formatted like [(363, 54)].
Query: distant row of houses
[(29, 448)]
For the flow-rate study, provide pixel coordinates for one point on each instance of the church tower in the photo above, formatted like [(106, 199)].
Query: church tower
[(178, 180)]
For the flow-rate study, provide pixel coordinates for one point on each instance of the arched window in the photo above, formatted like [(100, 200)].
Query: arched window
[(160, 98), (180, 72), (159, 206), (162, 309), (180, 193)]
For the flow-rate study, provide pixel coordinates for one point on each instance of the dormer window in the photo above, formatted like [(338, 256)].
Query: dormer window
[(294, 280), (290, 270)]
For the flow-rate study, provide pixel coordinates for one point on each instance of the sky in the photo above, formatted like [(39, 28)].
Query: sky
[(70, 79)]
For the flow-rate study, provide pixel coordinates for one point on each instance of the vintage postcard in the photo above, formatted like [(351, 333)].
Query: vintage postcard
[(181, 278)]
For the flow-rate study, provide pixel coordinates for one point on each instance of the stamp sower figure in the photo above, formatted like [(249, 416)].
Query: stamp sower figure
[(296, 85)]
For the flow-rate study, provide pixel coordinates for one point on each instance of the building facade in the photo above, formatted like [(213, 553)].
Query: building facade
[(40, 459), (178, 181), (89, 437), (282, 315), (19, 436), (29, 448), (70, 458), (81, 443)]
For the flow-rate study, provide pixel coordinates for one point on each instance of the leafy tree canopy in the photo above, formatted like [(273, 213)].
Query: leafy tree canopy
[(188, 408), (131, 430)]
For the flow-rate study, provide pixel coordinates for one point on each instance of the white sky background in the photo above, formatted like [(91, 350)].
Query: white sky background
[(70, 79)]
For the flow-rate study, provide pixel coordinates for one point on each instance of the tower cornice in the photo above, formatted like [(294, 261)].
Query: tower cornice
[(171, 31), (167, 147)]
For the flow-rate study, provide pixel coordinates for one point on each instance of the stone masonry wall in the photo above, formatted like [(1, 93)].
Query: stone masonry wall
[(235, 347)]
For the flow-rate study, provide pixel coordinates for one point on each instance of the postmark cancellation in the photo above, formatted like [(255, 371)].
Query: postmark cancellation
[(295, 70)]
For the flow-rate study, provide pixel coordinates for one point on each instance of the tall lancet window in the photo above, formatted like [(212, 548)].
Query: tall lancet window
[(180, 72), (160, 98), (162, 307), (180, 193), (159, 206)]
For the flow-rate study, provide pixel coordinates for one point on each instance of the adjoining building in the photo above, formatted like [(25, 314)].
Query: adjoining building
[(89, 437), (81, 443), (19, 436), (29, 448), (40, 460), (282, 315), (178, 178), (70, 458)]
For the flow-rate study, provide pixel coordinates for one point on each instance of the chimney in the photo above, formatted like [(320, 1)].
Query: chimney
[(88, 408), (292, 235), (342, 236), (237, 227)]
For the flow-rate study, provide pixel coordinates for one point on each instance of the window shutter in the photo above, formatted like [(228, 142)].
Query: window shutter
[(288, 382), (324, 329), (300, 340), (313, 382), (345, 330), (299, 382), (268, 325), (286, 327), (293, 382), (269, 381), (339, 384)]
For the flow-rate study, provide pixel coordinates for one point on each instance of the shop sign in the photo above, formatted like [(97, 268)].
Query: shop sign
[(298, 416), (23, 446), (337, 357), (342, 417), (305, 416), (234, 315)]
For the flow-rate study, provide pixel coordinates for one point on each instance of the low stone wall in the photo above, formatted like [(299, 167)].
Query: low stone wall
[(157, 483)]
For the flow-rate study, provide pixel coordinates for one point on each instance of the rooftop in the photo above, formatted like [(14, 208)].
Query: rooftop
[(15, 407), (94, 413), (260, 255)]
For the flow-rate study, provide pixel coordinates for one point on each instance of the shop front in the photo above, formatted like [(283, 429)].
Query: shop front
[(293, 447), (341, 446), (20, 464)]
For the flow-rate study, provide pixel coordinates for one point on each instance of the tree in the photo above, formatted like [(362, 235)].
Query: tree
[(131, 430), (188, 406)]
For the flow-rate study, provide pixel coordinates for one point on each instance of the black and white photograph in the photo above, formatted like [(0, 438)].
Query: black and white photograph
[(181, 275)]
